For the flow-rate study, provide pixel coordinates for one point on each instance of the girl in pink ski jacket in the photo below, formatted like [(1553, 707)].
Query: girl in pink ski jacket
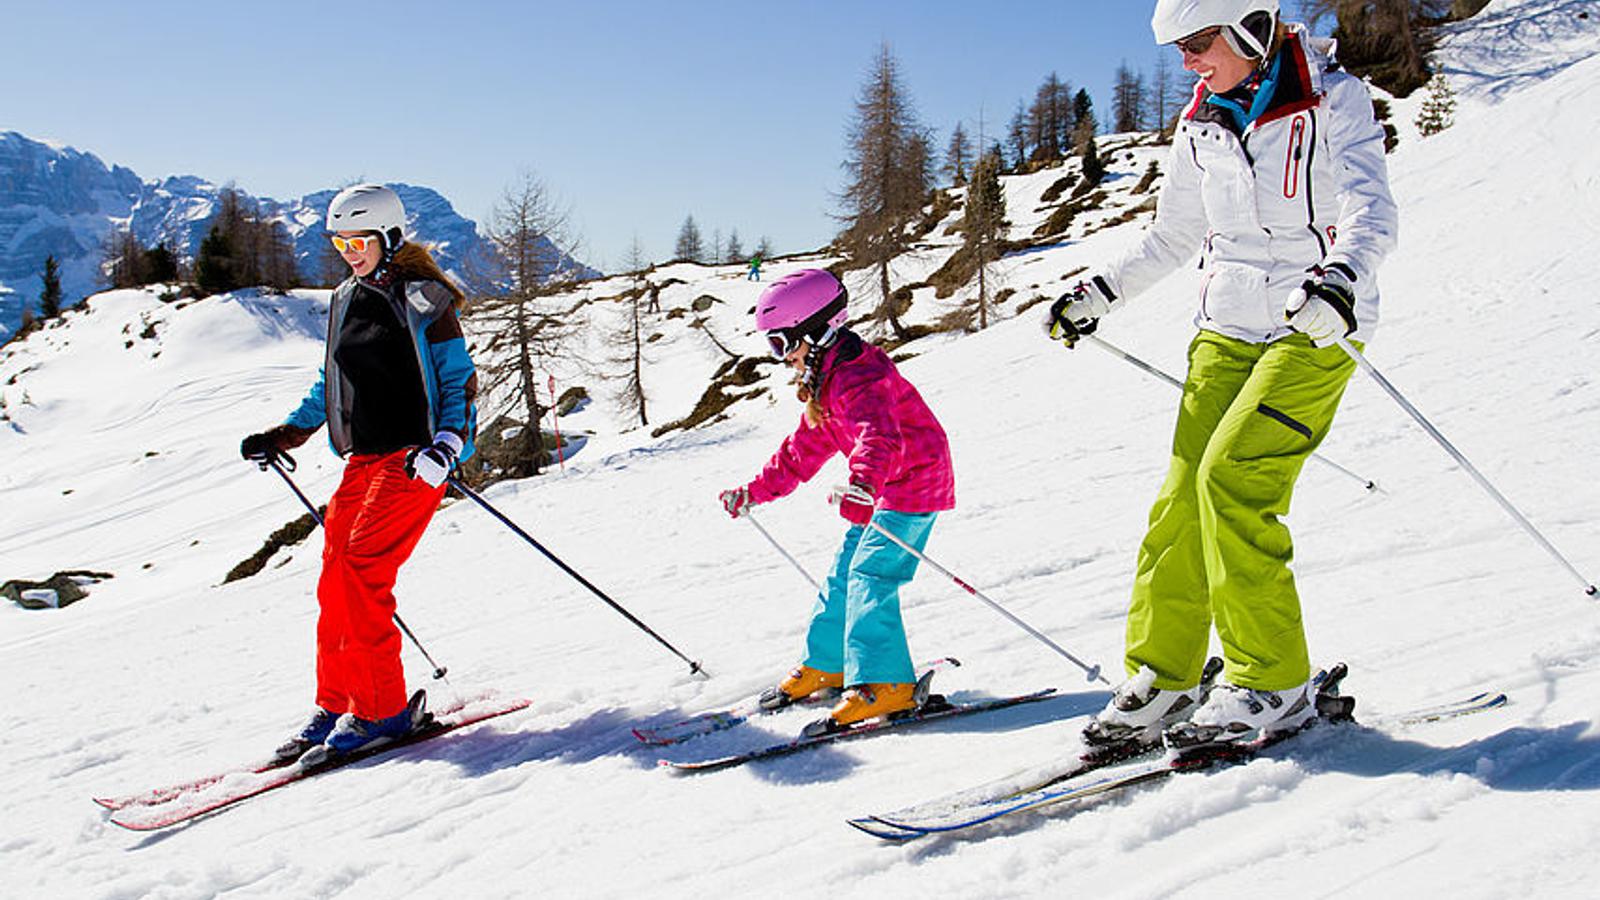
[(858, 405)]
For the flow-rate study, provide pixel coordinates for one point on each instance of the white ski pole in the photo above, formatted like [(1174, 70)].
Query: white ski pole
[(779, 547), (1114, 350), (1517, 516), (1092, 671)]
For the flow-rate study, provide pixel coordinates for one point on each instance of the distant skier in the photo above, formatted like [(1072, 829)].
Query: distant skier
[(858, 405), (755, 268), (1276, 157), (396, 390)]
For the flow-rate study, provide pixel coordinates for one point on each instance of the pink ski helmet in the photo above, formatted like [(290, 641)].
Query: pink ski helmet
[(809, 304)]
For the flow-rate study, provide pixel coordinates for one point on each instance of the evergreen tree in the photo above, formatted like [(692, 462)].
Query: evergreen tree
[(160, 265), (1094, 169), (213, 264), (1438, 108), (735, 252), (764, 249), (50, 297), (1083, 115)]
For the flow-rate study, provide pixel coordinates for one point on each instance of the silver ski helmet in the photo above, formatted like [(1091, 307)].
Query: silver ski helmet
[(369, 207), (1247, 25)]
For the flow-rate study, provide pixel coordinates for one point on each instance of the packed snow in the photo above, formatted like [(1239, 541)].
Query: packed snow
[(119, 434)]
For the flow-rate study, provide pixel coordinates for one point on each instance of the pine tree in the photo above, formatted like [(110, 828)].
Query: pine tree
[(1094, 169), (161, 266), (213, 264), (1087, 126), (735, 252), (50, 297), (1438, 108)]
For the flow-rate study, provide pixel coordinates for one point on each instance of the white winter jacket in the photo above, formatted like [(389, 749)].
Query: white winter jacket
[(1304, 185)]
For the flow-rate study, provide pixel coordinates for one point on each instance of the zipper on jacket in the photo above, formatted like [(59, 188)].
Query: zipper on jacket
[(1291, 161), (1311, 208)]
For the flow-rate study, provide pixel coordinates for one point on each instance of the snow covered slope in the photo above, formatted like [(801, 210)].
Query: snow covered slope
[(123, 458)]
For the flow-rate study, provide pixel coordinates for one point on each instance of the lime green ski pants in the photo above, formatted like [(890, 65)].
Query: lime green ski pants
[(1216, 549)]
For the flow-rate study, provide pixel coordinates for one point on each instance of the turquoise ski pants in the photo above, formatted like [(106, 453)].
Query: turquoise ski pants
[(855, 626), (1216, 550)]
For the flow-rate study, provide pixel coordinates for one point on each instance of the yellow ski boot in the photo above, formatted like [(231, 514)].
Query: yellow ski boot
[(872, 701), (801, 683)]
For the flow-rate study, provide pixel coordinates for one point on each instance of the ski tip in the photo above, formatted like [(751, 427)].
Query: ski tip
[(883, 831)]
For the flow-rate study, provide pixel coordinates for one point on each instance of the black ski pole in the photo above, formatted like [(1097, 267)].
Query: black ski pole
[(272, 460), (694, 667)]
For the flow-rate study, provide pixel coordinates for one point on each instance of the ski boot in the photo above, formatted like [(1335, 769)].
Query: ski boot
[(1235, 715), (1140, 713), (313, 733), (352, 734), (803, 682), (882, 700)]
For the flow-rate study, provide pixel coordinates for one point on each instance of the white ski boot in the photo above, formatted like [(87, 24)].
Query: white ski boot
[(1139, 712), (1233, 714)]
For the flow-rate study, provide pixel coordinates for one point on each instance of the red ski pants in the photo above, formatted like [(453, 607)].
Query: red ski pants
[(373, 523)]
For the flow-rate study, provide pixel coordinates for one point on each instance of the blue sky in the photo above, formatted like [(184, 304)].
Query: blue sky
[(634, 113)]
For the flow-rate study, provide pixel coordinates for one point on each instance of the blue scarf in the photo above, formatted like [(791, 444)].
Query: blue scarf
[(1264, 89)]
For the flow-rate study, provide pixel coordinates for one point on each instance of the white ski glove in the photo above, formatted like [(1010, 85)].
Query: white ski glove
[(1323, 307), (736, 502), (434, 462), (1078, 311)]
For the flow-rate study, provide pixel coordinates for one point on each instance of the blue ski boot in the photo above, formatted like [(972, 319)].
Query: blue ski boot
[(313, 733), (353, 735)]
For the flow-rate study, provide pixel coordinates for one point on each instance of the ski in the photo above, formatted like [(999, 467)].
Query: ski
[(935, 709), (1084, 778), (166, 793), (176, 804), (721, 719)]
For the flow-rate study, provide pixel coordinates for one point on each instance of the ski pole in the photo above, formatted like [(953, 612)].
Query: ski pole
[(1092, 671), (1114, 350), (779, 547), (438, 670), (1516, 515), (694, 667)]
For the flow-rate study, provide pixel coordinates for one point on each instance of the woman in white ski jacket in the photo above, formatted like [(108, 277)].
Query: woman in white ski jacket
[(1277, 179)]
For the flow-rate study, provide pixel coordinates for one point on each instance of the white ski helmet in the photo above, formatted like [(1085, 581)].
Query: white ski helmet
[(369, 207), (1247, 25)]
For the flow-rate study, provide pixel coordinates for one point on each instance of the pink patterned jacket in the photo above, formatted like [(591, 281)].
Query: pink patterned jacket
[(889, 437)]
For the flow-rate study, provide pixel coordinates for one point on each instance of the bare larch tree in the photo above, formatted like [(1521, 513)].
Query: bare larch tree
[(888, 164)]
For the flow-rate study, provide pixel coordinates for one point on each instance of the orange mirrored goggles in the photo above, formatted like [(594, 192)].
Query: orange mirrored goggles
[(357, 244)]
